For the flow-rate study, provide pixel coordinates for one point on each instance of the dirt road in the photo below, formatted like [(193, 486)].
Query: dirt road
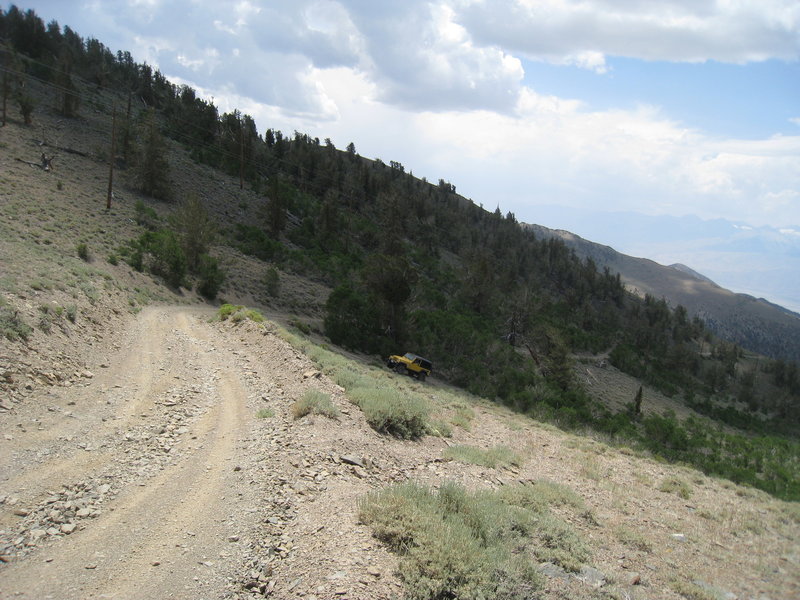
[(131, 483), (155, 477)]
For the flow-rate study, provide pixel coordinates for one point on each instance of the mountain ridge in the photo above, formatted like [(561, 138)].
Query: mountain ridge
[(754, 323)]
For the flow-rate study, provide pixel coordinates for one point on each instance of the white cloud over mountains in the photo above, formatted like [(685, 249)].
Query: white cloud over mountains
[(440, 86), (451, 54)]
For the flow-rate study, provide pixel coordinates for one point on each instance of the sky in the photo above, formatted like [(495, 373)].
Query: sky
[(673, 108)]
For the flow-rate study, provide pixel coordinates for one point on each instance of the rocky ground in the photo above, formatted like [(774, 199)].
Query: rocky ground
[(158, 473)]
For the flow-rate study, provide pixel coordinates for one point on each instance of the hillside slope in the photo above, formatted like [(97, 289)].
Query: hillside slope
[(147, 452), (168, 425), (753, 323)]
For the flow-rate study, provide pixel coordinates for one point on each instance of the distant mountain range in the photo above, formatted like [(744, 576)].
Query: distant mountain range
[(761, 261), (754, 323)]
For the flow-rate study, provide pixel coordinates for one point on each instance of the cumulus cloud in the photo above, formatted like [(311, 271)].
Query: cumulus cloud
[(423, 59), (557, 151), (438, 85), (563, 31)]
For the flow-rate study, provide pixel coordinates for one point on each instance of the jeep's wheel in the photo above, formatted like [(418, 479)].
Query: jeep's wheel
[(421, 376), (400, 368)]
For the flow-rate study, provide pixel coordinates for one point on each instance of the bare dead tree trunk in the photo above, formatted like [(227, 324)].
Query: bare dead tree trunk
[(241, 154), (5, 95), (112, 157)]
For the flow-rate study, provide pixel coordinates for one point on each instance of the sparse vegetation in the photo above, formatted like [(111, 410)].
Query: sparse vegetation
[(632, 539), (83, 251), (403, 415), (265, 413), (12, 325), (676, 485), (458, 544), (238, 313), (496, 457), (315, 402)]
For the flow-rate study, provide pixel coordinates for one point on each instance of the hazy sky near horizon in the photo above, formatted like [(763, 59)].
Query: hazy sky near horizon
[(672, 107)]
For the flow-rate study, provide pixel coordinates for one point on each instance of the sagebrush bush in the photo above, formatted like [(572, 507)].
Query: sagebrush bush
[(226, 310), (83, 251), (388, 410), (499, 456), (315, 402), (238, 313), (540, 494), (463, 417), (12, 325), (71, 311), (676, 485), (467, 545)]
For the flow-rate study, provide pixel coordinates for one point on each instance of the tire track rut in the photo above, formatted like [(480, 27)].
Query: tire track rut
[(172, 534)]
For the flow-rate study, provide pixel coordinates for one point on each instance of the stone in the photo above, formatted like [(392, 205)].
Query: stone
[(68, 528), (352, 460), (553, 571), (87, 374), (591, 576), (21, 512)]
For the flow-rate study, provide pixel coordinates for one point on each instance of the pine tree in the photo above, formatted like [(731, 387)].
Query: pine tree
[(153, 165)]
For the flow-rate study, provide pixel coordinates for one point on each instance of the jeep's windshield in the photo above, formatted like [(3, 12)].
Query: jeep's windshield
[(410, 356)]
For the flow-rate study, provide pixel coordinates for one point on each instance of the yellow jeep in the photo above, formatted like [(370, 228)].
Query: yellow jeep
[(411, 365)]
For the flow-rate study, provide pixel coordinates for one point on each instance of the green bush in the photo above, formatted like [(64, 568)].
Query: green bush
[(71, 312), (83, 251), (146, 216), (676, 485), (302, 327), (390, 411), (265, 413), (272, 282), (160, 252), (12, 325), (440, 428), (46, 318), (256, 242), (226, 310), (211, 276), (315, 402), (238, 313)]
